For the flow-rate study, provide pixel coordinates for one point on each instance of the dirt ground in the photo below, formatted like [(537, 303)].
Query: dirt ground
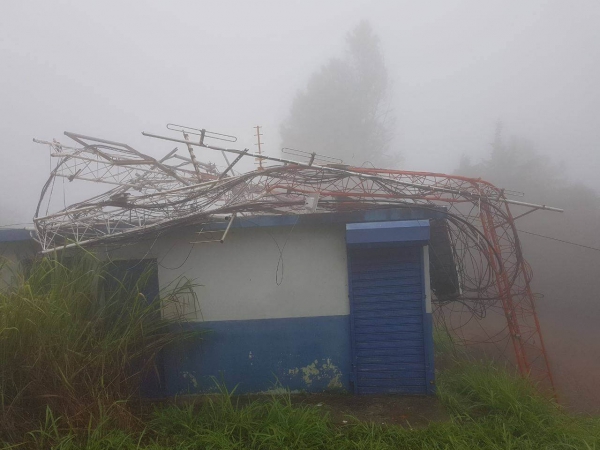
[(409, 411)]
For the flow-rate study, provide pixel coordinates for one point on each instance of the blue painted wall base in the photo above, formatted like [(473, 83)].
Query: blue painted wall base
[(309, 354)]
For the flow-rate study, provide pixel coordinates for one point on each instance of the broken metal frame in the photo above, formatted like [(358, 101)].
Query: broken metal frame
[(154, 195)]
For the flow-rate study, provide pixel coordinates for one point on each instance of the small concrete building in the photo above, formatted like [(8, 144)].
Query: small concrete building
[(314, 302), (318, 302)]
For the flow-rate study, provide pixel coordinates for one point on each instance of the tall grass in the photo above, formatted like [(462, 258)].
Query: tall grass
[(494, 408), (75, 341), (72, 354), (275, 423), (490, 409)]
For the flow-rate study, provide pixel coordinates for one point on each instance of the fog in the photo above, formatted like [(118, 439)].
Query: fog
[(113, 68)]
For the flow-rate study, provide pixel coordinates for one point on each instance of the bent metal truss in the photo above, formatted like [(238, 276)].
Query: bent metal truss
[(148, 196)]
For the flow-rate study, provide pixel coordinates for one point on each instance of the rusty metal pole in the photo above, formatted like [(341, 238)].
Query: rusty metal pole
[(504, 292)]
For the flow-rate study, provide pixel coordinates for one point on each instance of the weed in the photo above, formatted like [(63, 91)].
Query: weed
[(76, 341)]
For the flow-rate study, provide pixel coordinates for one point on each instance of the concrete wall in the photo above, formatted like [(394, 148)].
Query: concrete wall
[(274, 303), (248, 278)]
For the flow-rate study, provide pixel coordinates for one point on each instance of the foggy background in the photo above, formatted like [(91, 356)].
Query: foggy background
[(112, 69)]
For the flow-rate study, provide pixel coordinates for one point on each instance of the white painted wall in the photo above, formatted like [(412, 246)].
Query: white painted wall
[(238, 277)]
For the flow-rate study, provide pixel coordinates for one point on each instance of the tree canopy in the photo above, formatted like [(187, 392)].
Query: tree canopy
[(344, 112)]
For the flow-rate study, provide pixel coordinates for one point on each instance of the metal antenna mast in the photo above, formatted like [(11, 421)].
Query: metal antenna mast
[(192, 155), (259, 143)]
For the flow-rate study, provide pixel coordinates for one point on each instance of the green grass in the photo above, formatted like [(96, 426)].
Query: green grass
[(66, 353), (490, 410), (76, 341)]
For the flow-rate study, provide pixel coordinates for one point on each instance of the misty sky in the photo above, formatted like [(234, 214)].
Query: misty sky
[(115, 68)]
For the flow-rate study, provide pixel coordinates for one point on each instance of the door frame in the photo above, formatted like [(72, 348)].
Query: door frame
[(414, 233)]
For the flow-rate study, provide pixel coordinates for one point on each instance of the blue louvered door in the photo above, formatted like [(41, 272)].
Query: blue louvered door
[(387, 295)]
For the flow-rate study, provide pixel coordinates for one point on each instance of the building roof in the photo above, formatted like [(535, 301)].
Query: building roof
[(417, 212)]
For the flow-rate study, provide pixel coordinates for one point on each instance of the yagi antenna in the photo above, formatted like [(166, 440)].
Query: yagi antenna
[(202, 133), (313, 157)]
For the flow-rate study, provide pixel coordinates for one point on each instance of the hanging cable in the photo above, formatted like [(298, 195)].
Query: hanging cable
[(560, 240)]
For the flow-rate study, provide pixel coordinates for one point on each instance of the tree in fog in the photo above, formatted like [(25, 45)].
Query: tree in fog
[(344, 112), (514, 163)]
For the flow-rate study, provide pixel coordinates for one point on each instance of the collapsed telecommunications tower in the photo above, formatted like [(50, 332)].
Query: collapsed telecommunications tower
[(150, 196)]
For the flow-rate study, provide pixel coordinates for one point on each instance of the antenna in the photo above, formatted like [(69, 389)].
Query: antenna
[(313, 157), (259, 143), (204, 134)]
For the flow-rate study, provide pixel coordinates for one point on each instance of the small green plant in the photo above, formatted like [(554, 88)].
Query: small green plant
[(224, 421)]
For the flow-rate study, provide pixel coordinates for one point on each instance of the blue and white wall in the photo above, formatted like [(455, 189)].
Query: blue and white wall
[(270, 316), (274, 301)]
